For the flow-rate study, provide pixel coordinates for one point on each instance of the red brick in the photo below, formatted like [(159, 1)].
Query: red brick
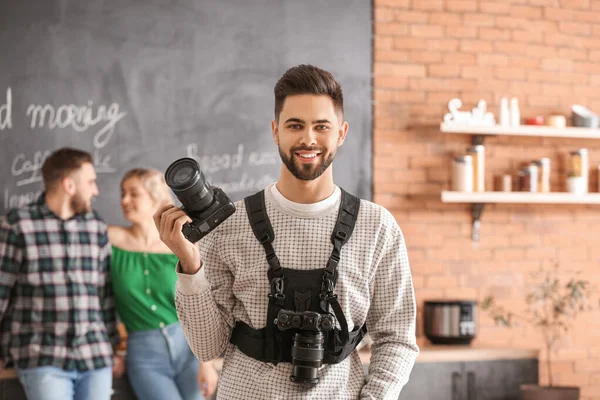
[(481, 19), (391, 28), (461, 5), (523, 35), (476, 46), (585, 67), (573, 54), (490, 7), (410, 16), (512, 22), (477, 72), (575, 28), (494, 34), (390, 82), (526, 12), (510, 73), (511, 48), (431, 5), (444, 18), (390, 56), (557, 14), (492, 60), (526, 62), (557, 64), (383, 15), (556, 90), (594, 55), (384, 43), (442, 44), (443, 70), (460, 58), (424, 57), (409, 43), (571, 4), (427, 31), (461, 32), (434, 84), (560, 39)]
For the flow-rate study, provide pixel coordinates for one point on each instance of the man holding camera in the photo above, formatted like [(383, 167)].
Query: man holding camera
[(289, 284)]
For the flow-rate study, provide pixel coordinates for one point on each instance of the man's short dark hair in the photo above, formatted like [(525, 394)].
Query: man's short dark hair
[(308, 79), (62, 163)]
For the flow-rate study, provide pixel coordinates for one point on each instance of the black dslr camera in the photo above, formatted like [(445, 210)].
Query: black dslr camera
[(307, 350), (207, 206)]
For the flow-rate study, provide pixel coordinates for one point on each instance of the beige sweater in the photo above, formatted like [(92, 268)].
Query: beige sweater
[(374, 286)]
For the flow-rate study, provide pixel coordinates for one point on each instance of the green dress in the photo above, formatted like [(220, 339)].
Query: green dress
[(144, 286)]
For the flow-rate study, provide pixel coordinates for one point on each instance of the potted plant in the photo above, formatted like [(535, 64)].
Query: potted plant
[(552, 306)]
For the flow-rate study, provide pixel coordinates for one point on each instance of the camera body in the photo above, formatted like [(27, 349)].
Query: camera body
[(206, 205), (304, 321), (203, 222)]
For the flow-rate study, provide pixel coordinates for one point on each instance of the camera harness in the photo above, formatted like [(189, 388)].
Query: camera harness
[(304, 290)]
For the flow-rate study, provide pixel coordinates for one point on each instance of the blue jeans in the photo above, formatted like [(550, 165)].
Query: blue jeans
[(160, 365), (51, 383)]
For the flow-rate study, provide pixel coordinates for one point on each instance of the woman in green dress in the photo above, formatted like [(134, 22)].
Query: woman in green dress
[(160, 364)]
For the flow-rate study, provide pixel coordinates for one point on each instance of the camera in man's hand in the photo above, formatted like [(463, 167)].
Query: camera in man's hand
[(307, 350), (206, 205)]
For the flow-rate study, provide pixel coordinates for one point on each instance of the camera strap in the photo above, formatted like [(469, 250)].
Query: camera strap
[(262, 229), (342, 231)]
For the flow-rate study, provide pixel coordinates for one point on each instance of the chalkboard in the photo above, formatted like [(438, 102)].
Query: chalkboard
[(142, 83)]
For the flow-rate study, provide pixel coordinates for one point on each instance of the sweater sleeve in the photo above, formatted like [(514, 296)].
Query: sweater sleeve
[(391, 322), (205, 302)]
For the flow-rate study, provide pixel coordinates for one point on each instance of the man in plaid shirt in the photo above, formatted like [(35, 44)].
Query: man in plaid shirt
[(58, 321)]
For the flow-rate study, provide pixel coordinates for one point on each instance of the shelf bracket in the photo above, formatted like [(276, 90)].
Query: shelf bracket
[(477, 139), (476, 211)]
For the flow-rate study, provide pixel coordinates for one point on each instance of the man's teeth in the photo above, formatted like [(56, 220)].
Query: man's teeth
[(313, 155)]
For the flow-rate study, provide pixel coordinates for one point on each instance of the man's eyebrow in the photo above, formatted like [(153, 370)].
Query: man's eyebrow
[(298, 120)]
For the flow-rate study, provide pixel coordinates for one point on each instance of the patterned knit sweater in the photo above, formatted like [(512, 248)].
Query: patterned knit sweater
[(374, 286)]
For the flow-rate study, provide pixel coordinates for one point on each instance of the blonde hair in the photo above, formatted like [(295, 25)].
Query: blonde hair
[(153, 181)]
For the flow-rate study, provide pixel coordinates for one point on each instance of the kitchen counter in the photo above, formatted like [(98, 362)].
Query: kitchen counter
[(428, 353)]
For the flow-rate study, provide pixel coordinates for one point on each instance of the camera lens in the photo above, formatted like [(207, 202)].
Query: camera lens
[(307, 357), (187, 181)]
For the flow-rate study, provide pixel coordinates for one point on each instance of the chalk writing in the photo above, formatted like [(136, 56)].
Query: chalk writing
[(218, 162), (19, 200), (79, 117), (6, 112)]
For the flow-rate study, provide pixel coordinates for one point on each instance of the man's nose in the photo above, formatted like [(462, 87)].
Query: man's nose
[(309, 137)]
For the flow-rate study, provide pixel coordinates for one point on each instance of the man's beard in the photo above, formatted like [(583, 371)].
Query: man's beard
[(79, 205), (306, 172)]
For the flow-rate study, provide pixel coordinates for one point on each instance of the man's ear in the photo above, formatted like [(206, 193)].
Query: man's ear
[(342, 133), (275, 132), (68, 185)]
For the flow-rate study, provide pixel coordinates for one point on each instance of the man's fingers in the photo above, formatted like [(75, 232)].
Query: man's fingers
[(178, 224), (157, 217), (167, 219)]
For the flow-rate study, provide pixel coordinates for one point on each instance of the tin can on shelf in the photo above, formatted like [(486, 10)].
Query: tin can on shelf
[(478, 154), (462, 173)]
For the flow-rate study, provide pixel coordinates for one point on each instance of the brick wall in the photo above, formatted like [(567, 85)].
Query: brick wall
[(547, 54)]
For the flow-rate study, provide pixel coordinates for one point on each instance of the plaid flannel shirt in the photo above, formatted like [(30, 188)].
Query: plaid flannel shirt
[(56, 299)]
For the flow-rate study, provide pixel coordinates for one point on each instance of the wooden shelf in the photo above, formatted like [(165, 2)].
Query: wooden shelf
[(519, 197), (523, 130)]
